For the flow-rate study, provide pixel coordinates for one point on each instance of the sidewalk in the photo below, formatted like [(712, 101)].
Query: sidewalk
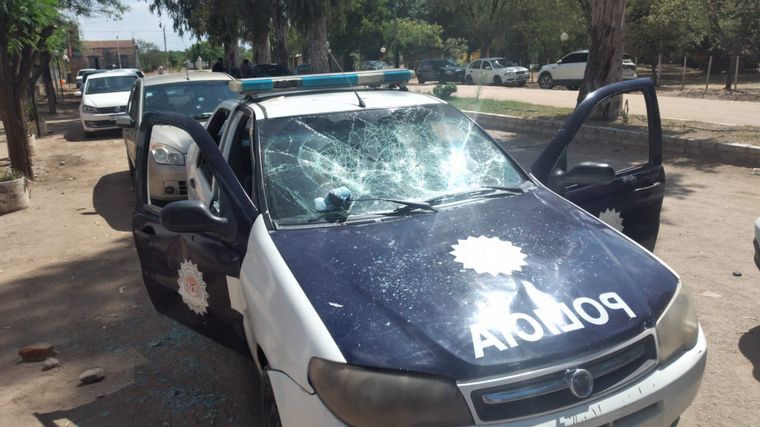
[(732, 113)]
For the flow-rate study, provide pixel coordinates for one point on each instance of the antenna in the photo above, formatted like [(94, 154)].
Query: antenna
[(359, 98)]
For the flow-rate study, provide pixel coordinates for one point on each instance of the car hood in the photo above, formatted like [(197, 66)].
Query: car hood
[(483, 288), (102, 100), (515, 69), (172, 136)]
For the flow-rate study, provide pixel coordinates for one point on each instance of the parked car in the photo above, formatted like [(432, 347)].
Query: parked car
[(137, 71), (374, 65), (83, 73), (80, 73), (386, 262), (757, 242), (302, 69), (497, 71), (104, 96), (569, 71), (194, 94), (270, 70), (440, 70)]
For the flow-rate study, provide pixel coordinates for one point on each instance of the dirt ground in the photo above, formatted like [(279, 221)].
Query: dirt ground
[(69, 275)]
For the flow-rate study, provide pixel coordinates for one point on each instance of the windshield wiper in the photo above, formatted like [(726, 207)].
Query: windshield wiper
[(408, 205), (483, 191)]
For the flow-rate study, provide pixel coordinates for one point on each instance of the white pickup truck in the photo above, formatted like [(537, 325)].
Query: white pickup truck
[(385, 262)]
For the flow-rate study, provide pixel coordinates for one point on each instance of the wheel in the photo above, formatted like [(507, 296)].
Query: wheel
[(468, 80), (420, 79), (545, 81), (269, 413), (497, 81)]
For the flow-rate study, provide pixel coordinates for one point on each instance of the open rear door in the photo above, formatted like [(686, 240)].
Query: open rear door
[(632, 200)]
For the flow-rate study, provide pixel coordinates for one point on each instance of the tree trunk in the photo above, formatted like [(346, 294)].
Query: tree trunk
[(261, 49), (47, 78), (280, 23), (605, 62), (317, 34), (15, 129), (231, 50), (731, 71)]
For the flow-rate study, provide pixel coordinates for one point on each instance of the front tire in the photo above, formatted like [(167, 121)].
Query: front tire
[(545, 81), (270, 415), (468, 80), (497, 81), (420, 80)]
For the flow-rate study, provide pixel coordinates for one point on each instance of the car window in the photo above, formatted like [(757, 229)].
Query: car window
[(574, 58), (109, 84), (412, 153), (240, 156), (502, 63), (194, 98), (215, 129), (475, 65), (487, 65), (132, 106)]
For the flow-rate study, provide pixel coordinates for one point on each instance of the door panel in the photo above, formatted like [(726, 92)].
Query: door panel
[(186, 274), (630, 203)]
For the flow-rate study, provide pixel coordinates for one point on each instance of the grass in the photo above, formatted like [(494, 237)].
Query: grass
[(512, 108), (693, 129), (7, 174)]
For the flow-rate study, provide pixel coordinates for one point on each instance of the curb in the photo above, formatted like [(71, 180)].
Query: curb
[(723, 152)]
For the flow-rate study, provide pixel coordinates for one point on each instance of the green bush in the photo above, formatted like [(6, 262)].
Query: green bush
[(8, 174), (444, 91)]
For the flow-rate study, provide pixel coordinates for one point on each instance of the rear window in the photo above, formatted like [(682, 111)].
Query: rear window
[(195, 99), (109, 84)]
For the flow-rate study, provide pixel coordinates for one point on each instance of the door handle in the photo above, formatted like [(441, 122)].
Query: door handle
[(648, 187), (192, 183)]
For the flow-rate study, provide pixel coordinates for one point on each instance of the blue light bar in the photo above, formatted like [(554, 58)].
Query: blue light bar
[(322, 81)]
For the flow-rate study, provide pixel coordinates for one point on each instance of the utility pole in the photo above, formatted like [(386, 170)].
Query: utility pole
[(118, 52), (166, 52)]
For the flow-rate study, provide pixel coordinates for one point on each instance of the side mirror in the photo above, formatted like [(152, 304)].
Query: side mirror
[(589, 173), (190, 216), (124, 121), (78, 93)]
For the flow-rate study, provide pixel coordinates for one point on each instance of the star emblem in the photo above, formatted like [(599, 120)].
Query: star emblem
[(612, 218), (489, 255)]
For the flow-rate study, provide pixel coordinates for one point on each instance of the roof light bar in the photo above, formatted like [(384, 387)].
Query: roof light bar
[(322, 81)]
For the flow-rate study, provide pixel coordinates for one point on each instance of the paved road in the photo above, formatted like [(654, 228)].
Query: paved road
[(743, 113), (69, 275)]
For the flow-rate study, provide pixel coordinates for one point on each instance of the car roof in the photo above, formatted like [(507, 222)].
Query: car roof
[(339, 101), (112, 73), (191, 76)]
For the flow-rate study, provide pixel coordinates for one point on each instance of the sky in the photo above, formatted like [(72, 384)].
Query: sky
[(137, 23)]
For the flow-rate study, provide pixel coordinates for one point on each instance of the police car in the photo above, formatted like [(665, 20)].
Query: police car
[(385, 262)]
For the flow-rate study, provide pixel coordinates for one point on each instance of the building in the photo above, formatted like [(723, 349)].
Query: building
[(105, 54)]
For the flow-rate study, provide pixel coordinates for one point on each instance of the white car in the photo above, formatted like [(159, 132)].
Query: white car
[(497, 71), (104, 98), (385, 262), (569, 71)]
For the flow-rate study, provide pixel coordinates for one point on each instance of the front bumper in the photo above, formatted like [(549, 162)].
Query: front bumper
[(515, 78), (92, 121), (166, 182), (657, 399)]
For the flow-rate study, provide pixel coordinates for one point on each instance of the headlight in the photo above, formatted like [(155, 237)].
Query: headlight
[(89, 109), (165, 155), (677, 328), (373, 397)]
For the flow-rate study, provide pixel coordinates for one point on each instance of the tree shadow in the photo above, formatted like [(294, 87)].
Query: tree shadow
[(112, 202), (75, 133), (749, 345), (95, 311)]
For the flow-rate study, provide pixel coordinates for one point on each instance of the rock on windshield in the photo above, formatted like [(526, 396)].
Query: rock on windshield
[(411, 153)]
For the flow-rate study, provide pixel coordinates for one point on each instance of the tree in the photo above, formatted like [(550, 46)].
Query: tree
[(151, 56), (311, 17), (205, 50), (655, 27), (414, 37), (25, 26), (280, 26), (219, 20), (733, 25), (605, 57)]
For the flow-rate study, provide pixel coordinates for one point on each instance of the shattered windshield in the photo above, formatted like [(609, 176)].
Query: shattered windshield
[(411, 153)]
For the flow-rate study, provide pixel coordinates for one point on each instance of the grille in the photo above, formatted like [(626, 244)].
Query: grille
[(551, 391), (111, 110), (183, 188), (520, 72)]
